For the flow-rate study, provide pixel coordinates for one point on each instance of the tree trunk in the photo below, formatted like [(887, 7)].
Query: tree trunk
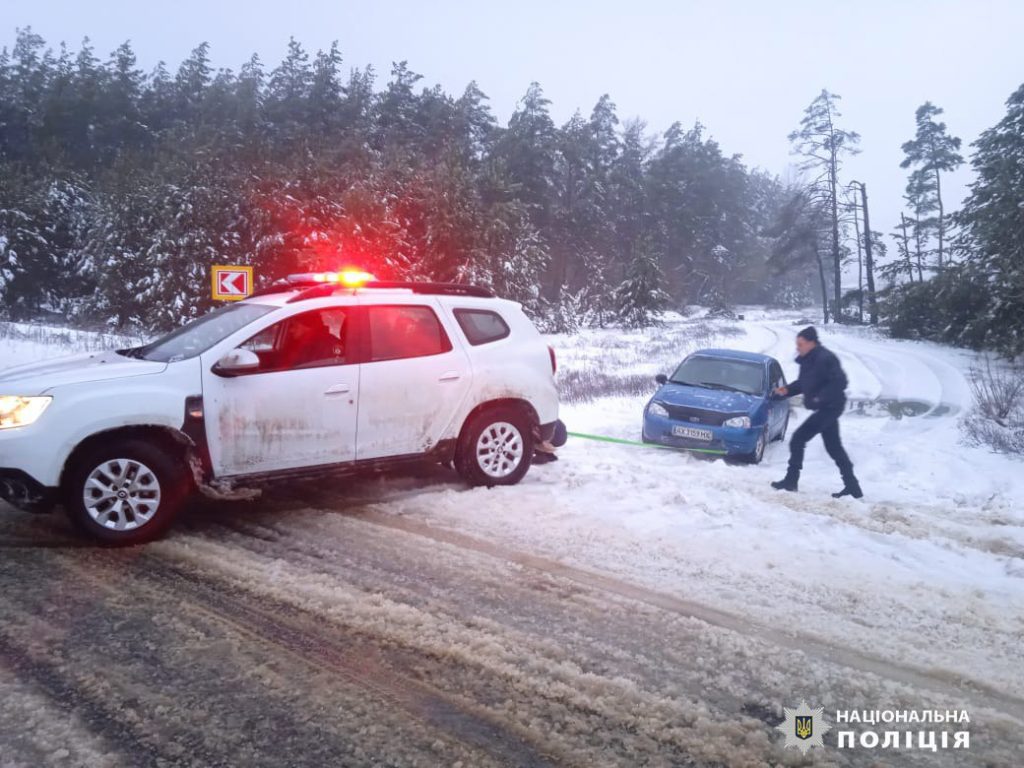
[(860, 269), (837, 265), (942, 217), (906, 248), (824, 285), (917, 244), (872, 299)]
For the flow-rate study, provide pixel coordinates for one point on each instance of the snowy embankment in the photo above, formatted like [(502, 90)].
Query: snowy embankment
[(29, 342), (926, 572)]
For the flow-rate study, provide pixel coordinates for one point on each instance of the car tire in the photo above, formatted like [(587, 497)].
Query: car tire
[(127, 492), (762, 443), (782, 432), (496, 447)]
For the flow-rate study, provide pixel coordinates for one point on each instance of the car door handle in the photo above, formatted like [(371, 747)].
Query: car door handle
[(338, 389), (450, 376)]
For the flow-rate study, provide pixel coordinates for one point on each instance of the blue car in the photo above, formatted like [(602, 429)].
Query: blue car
[(719, 401)]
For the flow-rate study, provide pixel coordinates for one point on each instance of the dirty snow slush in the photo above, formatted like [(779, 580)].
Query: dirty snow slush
[(297, 635)]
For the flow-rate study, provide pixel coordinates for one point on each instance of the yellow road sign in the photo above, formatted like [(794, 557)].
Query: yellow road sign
[(231, 283)]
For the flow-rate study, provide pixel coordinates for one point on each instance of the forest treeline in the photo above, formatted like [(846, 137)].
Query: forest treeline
[(119, 188)]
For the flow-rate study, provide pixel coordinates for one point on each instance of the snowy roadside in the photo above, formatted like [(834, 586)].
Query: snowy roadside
[(927, 571), (22, 343)]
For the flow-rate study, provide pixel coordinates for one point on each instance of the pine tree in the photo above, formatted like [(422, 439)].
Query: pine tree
[(528, 153), (993, 223), (326, 92), (934, 152), (822, 144), (287, 101), (192, 80), (119, 101), (921, 199), (629, 210), (641, 296)]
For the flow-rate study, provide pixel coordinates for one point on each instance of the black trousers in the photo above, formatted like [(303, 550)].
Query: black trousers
[(826, 424)]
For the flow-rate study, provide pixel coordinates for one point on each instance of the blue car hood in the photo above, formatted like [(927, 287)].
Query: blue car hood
[(721, 400)]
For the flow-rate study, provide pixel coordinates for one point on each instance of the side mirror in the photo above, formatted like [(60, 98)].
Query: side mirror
[(661, 378), (237, 362)]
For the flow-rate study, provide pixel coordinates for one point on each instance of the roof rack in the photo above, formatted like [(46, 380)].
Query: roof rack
[(312, 289), (435, 289)]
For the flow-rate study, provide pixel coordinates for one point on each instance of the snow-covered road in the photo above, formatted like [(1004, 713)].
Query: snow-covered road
[(623, 606)]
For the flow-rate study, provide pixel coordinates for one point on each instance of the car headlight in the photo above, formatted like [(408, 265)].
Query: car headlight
[(743, 422), (21, 411), (657, 409)]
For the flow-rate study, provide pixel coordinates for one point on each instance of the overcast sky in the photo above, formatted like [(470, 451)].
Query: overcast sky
[(745, 69)]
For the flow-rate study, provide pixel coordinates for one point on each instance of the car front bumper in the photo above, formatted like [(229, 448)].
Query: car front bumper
[(29, 468), (731, 441), (21, 490)]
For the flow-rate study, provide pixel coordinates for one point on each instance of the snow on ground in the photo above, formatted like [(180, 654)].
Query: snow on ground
[(927, 571), (28, 342)]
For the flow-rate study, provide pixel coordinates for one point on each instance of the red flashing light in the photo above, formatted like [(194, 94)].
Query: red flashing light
[(348, 277)]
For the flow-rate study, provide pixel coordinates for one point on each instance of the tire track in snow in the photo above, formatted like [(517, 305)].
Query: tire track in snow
[(945, 683), (94, 712), (537, 680), (312, 543), (283, 630)]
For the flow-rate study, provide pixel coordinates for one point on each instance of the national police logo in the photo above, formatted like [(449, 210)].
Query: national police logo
[(804, 727)]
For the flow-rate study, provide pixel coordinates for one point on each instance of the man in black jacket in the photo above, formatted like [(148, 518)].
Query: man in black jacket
[(823, 385)]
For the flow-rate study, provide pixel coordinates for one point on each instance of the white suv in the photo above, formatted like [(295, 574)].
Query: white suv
[(320, 373)]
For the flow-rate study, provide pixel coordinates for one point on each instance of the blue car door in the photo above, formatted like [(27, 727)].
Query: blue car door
[(779, 406)]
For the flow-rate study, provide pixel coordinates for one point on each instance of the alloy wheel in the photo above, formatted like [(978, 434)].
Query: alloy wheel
[(121, 494), (499, 450)]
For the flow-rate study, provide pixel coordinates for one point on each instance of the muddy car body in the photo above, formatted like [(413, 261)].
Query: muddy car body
[(310, 377)]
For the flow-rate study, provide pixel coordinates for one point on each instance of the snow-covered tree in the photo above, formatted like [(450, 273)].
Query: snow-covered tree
[(933, 152), (641, 297), (993, 222)]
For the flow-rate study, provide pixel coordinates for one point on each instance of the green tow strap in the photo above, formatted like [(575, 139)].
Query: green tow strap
[(620, 441)]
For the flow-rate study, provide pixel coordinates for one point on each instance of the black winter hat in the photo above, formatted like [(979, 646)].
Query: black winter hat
[(810, 333)]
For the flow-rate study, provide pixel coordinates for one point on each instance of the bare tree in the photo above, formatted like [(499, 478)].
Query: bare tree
[(797, 235)]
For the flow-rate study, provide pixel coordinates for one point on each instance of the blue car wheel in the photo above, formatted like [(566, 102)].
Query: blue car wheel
[(759, 446)]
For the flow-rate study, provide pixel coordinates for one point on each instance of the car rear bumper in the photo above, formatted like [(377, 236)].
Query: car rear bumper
[(21, 490), (554, 433), (732, 441)]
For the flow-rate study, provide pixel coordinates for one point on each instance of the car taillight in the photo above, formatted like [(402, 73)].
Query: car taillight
[(554, 360)]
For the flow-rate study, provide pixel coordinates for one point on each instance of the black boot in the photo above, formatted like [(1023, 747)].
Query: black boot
[(850, 488), (788, 483)]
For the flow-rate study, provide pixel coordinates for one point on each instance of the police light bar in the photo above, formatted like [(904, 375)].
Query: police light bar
[(348, 277)]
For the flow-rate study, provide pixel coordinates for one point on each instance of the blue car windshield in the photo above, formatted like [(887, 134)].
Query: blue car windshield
[(721, 373)]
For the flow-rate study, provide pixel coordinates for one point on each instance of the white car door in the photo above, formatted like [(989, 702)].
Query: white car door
[(298, 409), (412, 383)]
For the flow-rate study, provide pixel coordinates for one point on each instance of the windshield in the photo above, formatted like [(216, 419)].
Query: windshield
[(721, 373), (199, 335)]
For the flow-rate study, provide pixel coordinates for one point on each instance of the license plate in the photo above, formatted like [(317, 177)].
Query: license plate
[(692, 433)]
